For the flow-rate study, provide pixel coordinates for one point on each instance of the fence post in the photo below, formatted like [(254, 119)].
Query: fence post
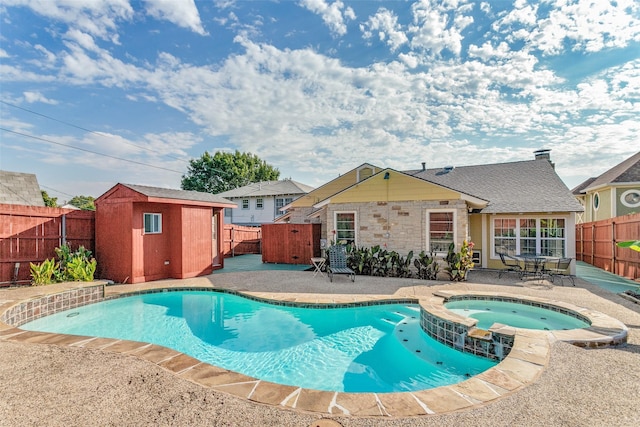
[(613, 246), (63, 232)]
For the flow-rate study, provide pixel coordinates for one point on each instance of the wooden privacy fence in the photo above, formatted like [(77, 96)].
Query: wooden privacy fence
[(31, 234), (241, 240), (290, 243), (596, 245)]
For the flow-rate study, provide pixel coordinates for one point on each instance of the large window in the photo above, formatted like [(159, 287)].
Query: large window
[(345, 227), (259, 203), (245, 203), (544, 236), (152, 223), (280, 203), (441, 226)]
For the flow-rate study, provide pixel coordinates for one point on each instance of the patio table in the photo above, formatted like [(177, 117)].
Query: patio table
[(534, 264)]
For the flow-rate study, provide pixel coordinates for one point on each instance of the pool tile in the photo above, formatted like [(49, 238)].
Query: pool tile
[(270, 393), (33, 337), (479, 390), (364, 404), (243, 389), (442, 399), (179, 363), (101, 343), (155, 353), (126, 346), (499, 378), (521, 370), (313, 400), (400, 404)]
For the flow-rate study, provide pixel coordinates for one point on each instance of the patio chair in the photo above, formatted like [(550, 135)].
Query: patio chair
[(510, 264), (560, 269), (338, 263)]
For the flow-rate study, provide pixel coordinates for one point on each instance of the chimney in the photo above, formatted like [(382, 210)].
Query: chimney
[(424, 166), (544, 154)]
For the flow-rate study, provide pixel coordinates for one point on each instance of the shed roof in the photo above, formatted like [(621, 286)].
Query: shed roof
[(269, 188), (169, 193), (17, 188), (524, 186)]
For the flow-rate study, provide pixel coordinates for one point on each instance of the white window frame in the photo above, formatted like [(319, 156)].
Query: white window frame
[(155, 223), (538, 234), (259, 203), (623, 198), (336, 239), (428, 228), (244, 205)]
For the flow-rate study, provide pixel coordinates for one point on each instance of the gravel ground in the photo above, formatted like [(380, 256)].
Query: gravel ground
[(63, 386)]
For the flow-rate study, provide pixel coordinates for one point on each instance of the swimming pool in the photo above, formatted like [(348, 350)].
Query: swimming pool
[(516, 314), (373, 348)]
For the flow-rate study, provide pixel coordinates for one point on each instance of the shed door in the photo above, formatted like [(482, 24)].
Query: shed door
[(215, 253)]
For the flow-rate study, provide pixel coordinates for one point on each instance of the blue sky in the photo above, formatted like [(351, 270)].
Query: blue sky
[(98, 92)]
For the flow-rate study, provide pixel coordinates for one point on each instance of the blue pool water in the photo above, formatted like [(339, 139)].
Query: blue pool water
[(488, 312), (358, 349)]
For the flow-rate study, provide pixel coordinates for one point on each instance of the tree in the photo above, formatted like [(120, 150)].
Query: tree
[(52, 202), (83, 202), (226, 171)]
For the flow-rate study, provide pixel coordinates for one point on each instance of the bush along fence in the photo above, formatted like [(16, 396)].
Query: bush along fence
[(71, 266), (378, 261)]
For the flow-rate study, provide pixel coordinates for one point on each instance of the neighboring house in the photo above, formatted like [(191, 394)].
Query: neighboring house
[(523, 207), (614, 193), (261, 202), (149, 233), (18, 188)]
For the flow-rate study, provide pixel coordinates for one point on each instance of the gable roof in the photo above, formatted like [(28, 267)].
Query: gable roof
[(172, 194), (627, 171), (269, 188), (17, 188), (515, 187), (430, 189)]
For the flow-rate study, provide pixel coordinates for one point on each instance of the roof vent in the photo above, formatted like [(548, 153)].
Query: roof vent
[(448, 169), (424, 166)]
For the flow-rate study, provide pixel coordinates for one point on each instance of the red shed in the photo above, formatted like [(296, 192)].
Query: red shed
[(150, 233)]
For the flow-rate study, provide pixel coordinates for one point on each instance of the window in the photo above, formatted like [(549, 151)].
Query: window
[(545, 236), (152, 223), (280, 203), (441, 226), (630, 198), (596, 201), (345, 227), (245, 203), (259, 203)]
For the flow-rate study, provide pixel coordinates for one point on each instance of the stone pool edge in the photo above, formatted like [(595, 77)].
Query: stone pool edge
[(524, 364)]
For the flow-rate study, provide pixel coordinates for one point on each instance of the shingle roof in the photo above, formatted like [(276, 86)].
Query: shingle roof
[(526, 186), (627, 171), (18, 188), (168, 193), (269, 188)]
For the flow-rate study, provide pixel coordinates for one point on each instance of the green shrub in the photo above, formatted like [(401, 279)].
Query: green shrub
[(459, 263), (427, 266), (76, 265), (43, 273)]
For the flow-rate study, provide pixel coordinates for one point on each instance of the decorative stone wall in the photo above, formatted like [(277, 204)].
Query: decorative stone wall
[(400, 226), (30, 310)]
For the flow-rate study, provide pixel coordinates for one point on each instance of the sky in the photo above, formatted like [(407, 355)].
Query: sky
[(96, 92)]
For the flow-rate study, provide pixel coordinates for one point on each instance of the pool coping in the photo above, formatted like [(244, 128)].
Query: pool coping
[(521, 367)]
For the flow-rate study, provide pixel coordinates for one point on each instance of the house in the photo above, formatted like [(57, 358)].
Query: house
[(18, 188), (149, 233), (614, 193), (523, 207), (261, 202)]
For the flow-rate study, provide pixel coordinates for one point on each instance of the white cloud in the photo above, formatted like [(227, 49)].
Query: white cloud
[(33, 97), (98, 18), (385, 24), (3, 53), (438, 26), (183, 13), (333, 14)]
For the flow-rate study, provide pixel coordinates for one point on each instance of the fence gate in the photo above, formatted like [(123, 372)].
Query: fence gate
[(290, 243)]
